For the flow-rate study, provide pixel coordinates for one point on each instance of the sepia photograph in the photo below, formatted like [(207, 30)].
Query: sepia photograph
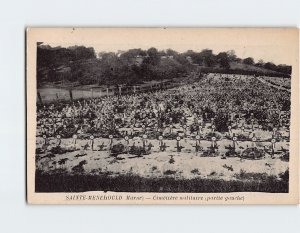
[(162, 111), (152, 116)]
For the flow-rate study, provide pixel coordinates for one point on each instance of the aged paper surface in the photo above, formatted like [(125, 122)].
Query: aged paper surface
[(162, 115)]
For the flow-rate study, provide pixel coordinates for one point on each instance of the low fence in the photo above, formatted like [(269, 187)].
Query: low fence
[(55, 94)]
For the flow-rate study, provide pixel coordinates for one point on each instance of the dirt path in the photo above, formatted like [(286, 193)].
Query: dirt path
[(272, 85)]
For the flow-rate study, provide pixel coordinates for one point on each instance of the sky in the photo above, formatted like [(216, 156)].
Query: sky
[(271, 45)]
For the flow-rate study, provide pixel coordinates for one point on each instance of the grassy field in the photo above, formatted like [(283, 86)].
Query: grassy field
[(242, 66)]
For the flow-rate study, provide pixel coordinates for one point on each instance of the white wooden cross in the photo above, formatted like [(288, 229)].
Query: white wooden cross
[(92, 142), (253, 141), (213, 139), (74, 139), (111, 139), (213, 128), (58, 140)]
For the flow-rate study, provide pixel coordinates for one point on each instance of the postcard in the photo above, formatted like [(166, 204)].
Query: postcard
[(162, 115)]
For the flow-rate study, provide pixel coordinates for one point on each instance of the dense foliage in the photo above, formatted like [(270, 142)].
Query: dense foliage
[(81, 65)]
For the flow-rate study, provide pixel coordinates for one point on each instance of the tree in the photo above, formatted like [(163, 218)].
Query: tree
[(223, 59), (107, 68), (197, 58), (181, 58), (231, 55), (260, 63), (152, 58), (81, 52), (131, 55), (171, 52), (208, 57), (284, 69), (248, 61), (162, 53), (270, 66)]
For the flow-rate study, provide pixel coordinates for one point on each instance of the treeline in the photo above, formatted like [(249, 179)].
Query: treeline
[(207, 59), (80, 64), (281, 68), (57, 56), (136, 65)]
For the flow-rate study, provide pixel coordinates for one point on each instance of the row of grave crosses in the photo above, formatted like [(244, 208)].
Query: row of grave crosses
[(171, 126), (184, 130), (162, 144), (179, 147), (253, 144)]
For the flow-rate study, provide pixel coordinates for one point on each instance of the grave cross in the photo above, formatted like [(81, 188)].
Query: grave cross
[(74, 140), (160, 138), (213, 142), (252, 124), (111, 140), (254, 139), (163, 147), (274, 132), (200, 129), (171, 124), (126, 138), (184, 130), (229, 130), (273, 141), (213, 128), (243, 128), (197, 146), (92, 142), (144, 141), (42, 129), (178, 146), (45, 139), (58, 142), (156, 127), (234, 141), (132, 128)]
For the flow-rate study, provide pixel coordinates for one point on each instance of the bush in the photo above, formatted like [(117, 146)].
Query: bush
[(39, 151), (213, 173), (253, 153), (195, 171), (137, 150), (171, 161), (169, 172), (154, 168), (79, 168), (221, 123), (213, 134), (285, 175), (59, 150), (243, 175), (285, 156), (231, 152), (117, 149)]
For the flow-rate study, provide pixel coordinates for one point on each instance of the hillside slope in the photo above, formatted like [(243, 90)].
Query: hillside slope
[(242, 66)]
